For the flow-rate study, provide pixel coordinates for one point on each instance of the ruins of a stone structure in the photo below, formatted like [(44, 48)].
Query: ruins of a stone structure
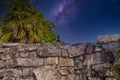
[(108, 38), (58, 61)]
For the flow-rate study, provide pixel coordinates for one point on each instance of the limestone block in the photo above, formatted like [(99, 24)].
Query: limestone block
[(79, 62), (46, 73), (51, 61), (11, 63), (24, 54), (27, 72), (29, 62), (2, 64), (76, 50), (8, 78), (48, 52), (14, 72), (2, 73), (2, 56), (64, 53), (66, 62), (63, 72), (70, 77)]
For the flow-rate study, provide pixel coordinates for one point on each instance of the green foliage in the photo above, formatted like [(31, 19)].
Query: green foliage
[(49, 38), (118, 54), (116, 68), (23, 23)]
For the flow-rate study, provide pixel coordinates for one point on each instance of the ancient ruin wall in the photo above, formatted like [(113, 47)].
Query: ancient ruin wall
[(57, 61), (108, 38)]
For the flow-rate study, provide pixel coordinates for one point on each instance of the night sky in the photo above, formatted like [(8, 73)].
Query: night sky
[(79, 20)]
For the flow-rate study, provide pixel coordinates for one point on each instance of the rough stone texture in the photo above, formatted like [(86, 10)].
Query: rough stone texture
[(46, 73), (88, 61), (108, 38), (66, 62)]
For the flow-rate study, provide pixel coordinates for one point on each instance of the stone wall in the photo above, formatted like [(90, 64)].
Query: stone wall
[(57, 61), (108, 38)]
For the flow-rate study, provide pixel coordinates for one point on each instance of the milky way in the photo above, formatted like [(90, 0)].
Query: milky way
[(64, 10)]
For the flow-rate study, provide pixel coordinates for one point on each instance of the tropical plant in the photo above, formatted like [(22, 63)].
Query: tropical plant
[(23, 23)]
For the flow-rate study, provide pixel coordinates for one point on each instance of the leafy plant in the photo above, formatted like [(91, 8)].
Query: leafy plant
[(116, 68), (23, 23)]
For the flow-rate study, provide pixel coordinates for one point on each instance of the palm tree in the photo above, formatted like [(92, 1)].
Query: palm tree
[(23, 23)]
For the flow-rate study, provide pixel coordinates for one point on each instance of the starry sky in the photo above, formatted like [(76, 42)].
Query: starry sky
[(79, 20)]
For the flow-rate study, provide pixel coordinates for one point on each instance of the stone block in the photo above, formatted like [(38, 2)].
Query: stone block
[(66, 62), (32, 54), (27, 72), (2, 64), (79, 62), (51, 61), (64, 53), (29, 62), (48, 52), (11, 63), (77, 50), (8, 78), (24, 54), (17, 72), (46, 73), (63, 72), (70, 77), (2, 73)]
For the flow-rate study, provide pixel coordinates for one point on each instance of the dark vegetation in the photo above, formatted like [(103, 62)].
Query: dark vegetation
[(23, 23), (116, 68)]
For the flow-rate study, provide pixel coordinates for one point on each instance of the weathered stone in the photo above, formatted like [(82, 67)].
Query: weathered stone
[(79, 62), (28, 47), (27, 72), (63, 72), (95, 78), (46, 73), (2, 56), (97, 49), (2, 73), (32, 54), (10, 44), (71, 70), (66, 70), (70, 77), (66, 62), (64, 53), (29, 62), (8, 78), (2, 50), (28, 78), (89, 49), (24, 54), (11, 53), (63, 78), (48, 52), (76, 50), (11, 63), (14, 72), (110, 78), (88, 60), (51, 61), (108, 38), (2, 64)]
